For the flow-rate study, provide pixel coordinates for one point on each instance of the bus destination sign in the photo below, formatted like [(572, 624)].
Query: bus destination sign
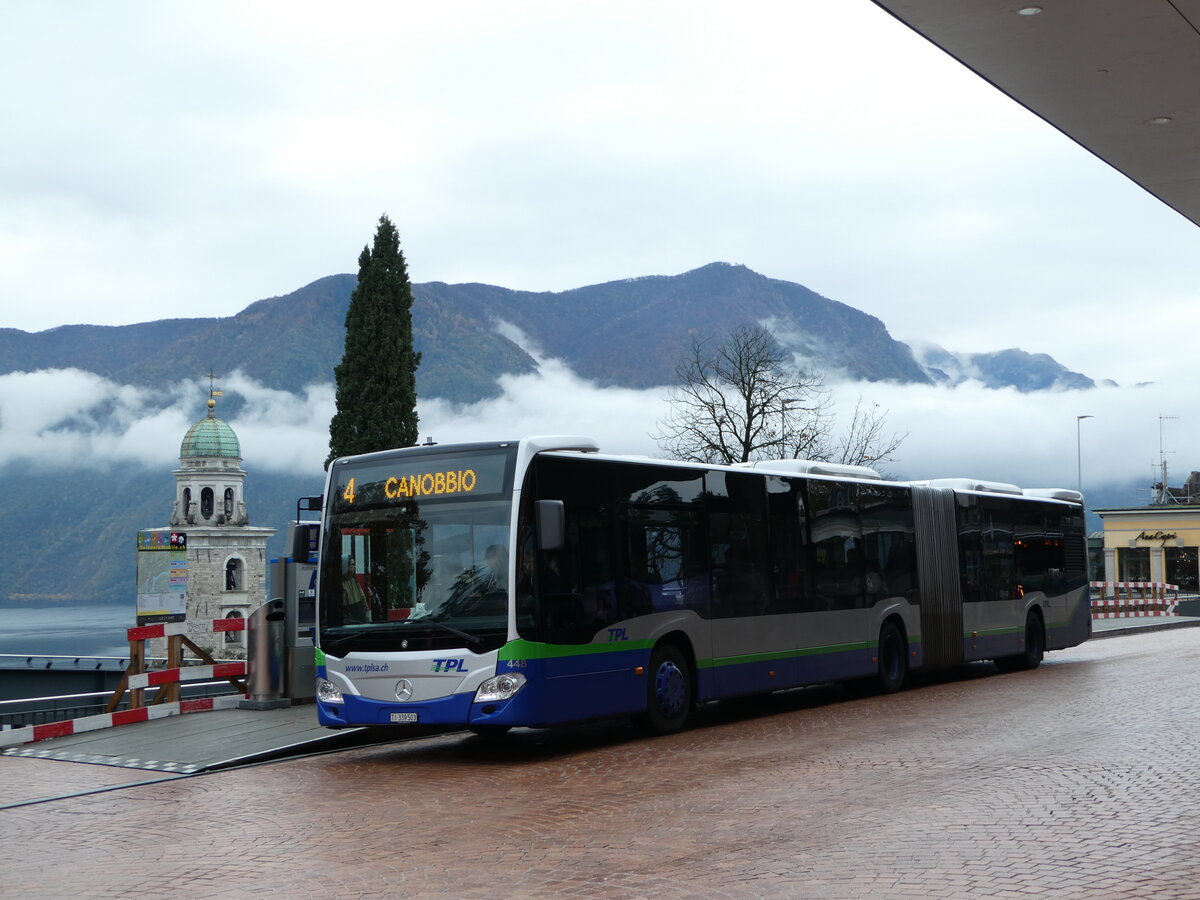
[(400, 480)]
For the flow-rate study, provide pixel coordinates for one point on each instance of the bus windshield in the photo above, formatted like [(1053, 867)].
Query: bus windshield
[(410, 567)]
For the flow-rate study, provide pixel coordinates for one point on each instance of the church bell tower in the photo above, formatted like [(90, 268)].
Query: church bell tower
[(226, 555)]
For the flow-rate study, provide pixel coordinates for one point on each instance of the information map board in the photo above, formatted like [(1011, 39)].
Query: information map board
[(162, 577)]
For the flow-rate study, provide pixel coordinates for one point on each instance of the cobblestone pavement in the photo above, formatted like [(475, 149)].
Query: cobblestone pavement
[(1075, 780)]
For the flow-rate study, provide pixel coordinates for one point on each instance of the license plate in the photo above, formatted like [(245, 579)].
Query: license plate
[(404, 718)]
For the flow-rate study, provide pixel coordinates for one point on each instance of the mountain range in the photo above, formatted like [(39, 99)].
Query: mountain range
[(629, 333)]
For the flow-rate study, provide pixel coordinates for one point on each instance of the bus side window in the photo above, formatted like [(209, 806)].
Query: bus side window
[(837, 545), (970, 548), (575, 585), (740, 574), (1030, 562), (789, 550), (888, 543), (999, 571), (666, 568)]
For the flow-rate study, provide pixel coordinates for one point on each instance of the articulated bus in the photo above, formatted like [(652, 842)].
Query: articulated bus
[(540, 582)]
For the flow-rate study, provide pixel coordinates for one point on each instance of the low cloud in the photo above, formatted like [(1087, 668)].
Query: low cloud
[(67, 417), (1031, 439), (60, 418), (553, 400)]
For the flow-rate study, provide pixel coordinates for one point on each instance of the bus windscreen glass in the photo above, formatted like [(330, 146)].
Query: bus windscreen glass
[(423, 565)]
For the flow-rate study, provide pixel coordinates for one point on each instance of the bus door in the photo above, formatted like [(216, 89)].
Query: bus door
[(992, 602), (753, 637), (568, 600), (664, 584)]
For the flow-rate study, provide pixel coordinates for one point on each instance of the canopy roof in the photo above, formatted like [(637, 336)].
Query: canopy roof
[(1119, 77)]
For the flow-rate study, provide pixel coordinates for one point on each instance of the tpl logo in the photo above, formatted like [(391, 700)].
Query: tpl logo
[(617, 634), (449, 665)]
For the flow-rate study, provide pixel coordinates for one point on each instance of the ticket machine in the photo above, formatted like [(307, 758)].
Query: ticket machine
[(294, 580)]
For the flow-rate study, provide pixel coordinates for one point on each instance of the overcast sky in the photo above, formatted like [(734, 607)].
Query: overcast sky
[(186, 159)]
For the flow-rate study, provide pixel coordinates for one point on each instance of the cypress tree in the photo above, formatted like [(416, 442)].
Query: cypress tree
[(377, 377)]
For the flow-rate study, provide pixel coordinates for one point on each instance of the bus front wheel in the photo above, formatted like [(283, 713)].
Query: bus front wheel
[(893, 658), (668, 691)]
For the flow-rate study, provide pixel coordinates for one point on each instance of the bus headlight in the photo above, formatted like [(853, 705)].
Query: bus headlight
[(327, 692), (502, 687)]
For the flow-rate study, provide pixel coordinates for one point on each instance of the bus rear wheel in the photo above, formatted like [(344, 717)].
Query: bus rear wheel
[(668, 691), (1035, 648), (893, 658)]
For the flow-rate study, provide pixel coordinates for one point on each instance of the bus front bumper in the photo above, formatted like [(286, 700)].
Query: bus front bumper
[(457, 709)]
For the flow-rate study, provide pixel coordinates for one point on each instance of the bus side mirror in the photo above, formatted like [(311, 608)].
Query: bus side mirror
[(304, 540), (551, 518)]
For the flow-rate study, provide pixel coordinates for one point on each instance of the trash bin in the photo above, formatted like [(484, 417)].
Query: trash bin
[(265, 657)]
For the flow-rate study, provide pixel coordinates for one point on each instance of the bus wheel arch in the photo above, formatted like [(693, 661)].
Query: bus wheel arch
[(1033, 645), (670, 686), (892, 655)]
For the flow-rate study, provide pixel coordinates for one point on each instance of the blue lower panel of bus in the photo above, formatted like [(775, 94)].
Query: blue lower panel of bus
[(557, 690), (452, 710), (787, 671), (572, 688), (588, 685)]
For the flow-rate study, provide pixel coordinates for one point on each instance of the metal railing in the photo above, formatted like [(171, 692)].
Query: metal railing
[(43, 710)]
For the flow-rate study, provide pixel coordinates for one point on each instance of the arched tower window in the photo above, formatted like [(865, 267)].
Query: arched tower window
[(233, 637), (233, 575), (206, 503), (228, 504), (187, 503)]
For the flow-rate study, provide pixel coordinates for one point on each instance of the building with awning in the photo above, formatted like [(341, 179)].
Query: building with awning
[(1156, 544)]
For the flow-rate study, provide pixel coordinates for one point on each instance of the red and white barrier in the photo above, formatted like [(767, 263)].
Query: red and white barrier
[(32, 733), (1132, 608), (139, 681), (1136, 585), (190, 673), (1151, 599), (170, 629)]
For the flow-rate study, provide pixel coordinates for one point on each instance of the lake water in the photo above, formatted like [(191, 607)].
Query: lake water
[(67, 630)]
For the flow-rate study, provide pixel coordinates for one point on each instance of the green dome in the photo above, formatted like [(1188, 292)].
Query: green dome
[(210, 437)]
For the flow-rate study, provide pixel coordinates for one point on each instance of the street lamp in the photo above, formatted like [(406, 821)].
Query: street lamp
[(784, 435), (1079, 451)]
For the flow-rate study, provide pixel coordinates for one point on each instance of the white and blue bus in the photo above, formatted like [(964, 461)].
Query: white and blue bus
[(540, 582)]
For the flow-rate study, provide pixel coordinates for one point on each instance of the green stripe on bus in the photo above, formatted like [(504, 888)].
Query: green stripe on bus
[(320, 657), (523, 649), (782, 654), (993, 632)]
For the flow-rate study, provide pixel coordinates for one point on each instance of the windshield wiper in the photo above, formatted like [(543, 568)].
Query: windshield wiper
[(471, 639), (337, 646), (373, 634)]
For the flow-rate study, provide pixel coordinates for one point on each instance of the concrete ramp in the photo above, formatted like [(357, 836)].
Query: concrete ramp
[(203, 741)]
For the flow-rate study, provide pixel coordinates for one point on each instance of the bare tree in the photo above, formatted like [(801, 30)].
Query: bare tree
[(864, 442), (739, 401), (736, 402)]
